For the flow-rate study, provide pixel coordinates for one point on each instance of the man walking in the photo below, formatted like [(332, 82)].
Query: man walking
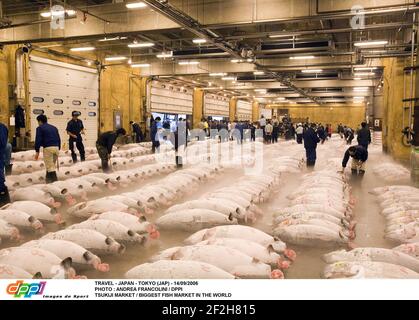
[(136, 129), (4, 192), (105, 144), (48, 138), (364, 136), (75, 129), (311, 139)]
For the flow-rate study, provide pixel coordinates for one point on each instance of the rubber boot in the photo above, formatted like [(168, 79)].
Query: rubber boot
[(48, 179), (179, 162), (361, 174), (354, 173), (4, 197), (74, 157), (8, 169), (53, 176)]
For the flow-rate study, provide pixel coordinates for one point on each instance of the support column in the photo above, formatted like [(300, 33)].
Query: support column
[(233, 109), (198, 107), (395, 116), (255, 111)]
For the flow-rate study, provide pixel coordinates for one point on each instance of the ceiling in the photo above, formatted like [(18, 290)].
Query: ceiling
[(300, 59)]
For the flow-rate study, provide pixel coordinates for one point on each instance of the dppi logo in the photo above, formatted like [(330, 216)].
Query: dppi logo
[(27, 290)]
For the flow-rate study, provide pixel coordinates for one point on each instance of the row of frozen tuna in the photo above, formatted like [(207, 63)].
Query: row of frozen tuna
[(392, 172), (128, 151), (105, 232), (80, 188), (400, 207), (374, 263), (223, 252), (320, 213), (148, 198), (77, 170), (77, 248), (234, 204)]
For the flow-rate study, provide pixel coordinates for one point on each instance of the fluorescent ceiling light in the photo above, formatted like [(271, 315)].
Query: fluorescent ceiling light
[(112, 39), (199, 41), (366, 44), (115, 58), (357, 79), (365, 69), (361, 89), (258, 73), (261, 90), (140, 65), (141, 45), (228, 78), (237, 60), (57, 13), (249, 60), (280, 36), (312, 71), (364, 74), (220, 74), (302, 58), (136, 5), (82, 49), (164, 55), (188, 63)]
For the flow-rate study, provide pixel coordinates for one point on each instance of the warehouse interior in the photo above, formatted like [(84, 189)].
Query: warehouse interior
[(316, 61)]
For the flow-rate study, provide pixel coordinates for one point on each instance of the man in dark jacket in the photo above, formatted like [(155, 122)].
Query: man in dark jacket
[(105, 144), (154, 134), (48, 138), (75, 129), (321, 133), (4, 192), (19, 119), (311, 140), (364, 136), (136, 129), (359, 156)]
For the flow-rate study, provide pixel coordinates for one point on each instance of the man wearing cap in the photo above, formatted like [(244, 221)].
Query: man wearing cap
[(48, 138), (75, 129), (105, 144)]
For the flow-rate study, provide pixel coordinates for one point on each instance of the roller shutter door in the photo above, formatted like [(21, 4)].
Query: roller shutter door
[(57, 89), (171, 99), (216, 106), (267, 113), (244, 110)]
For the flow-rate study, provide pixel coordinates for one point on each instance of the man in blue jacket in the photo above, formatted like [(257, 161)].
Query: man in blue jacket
[(4, 192), (75, 129), (311, 140), (48, 138), (359, 157)]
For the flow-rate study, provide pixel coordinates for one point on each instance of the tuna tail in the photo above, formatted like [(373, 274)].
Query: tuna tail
[(37, 275), (67, 263)]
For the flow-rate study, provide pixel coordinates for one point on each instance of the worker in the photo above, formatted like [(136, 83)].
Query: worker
[(262, 125), (105, 144), (155, 126), (275, 132), (268, 132), (364, 136), (48, 138), (321, 133), (359, 157), (329, 130), (136, 129), (341, 130), (7, 159), (75, 129), (311, 139), (349, 136), (300, 132), (4, 192)]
